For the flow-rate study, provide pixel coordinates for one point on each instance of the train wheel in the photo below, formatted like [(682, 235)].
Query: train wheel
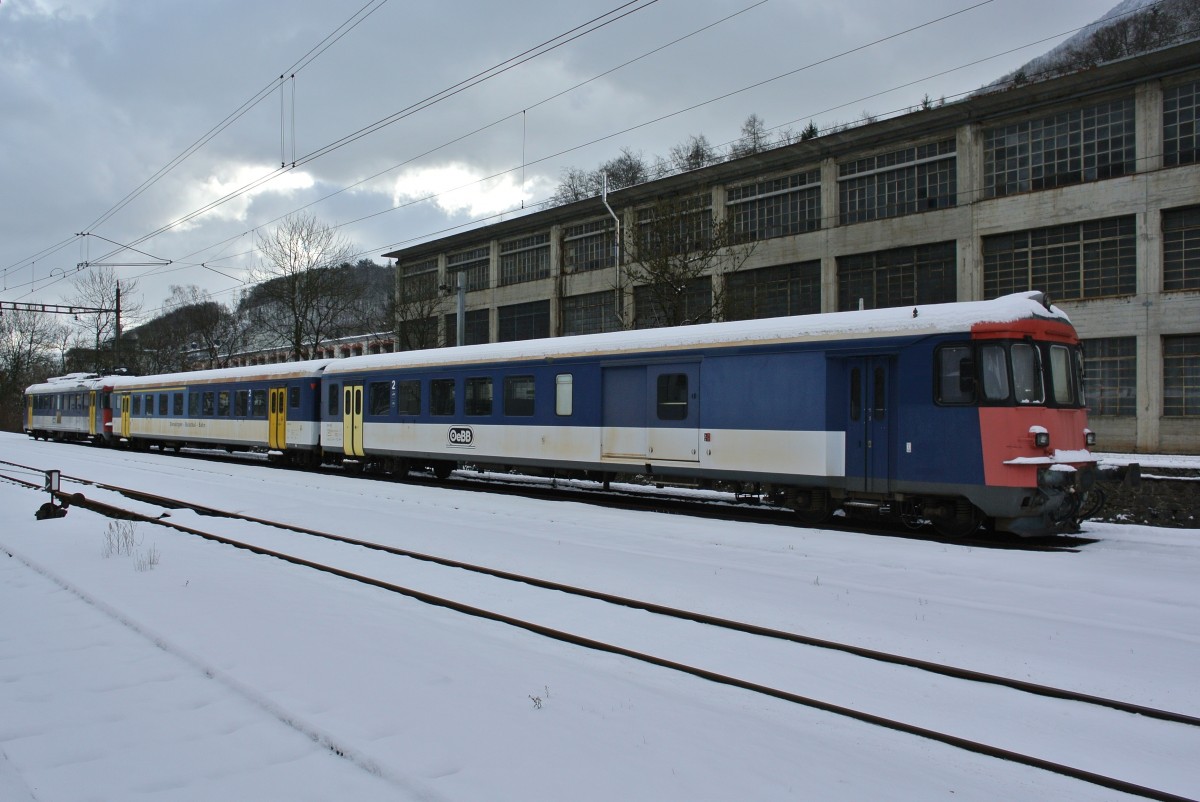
[(817, 506), (442, 470), (965, 520)]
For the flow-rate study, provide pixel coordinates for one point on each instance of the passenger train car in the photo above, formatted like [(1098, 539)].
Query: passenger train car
[(958, 414)]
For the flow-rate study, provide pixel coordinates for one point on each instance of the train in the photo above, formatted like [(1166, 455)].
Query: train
[(960, 415)]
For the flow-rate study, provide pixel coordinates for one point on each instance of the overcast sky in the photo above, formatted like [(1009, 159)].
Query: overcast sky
[(97, 96)]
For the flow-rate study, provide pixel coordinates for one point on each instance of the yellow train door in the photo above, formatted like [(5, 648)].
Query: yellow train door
[(277, 418), (352, 420), (92, 413), (126, 426), (29, 411)]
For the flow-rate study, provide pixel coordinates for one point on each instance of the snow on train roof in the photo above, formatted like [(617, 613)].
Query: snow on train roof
[(928, 319), (280, 370)]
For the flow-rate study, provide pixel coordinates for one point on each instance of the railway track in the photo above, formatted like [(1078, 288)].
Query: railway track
[(750, 637)]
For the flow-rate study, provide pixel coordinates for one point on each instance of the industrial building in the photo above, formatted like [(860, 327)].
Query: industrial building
[(1085, 186)]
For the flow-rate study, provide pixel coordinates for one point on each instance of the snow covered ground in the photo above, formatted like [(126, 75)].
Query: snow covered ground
[(217, 674)]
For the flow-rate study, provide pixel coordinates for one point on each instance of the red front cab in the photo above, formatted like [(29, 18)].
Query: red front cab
[(1033, 420)]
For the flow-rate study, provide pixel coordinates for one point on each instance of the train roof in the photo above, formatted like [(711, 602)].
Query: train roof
[(276, 371), (923, 319)]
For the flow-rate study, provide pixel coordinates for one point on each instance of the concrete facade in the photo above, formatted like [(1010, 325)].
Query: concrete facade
[(1083, 206)]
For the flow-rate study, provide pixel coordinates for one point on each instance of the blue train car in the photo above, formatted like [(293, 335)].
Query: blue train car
[(270, 408), (954, 413)]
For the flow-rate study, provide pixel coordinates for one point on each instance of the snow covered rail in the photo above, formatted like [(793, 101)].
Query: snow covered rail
[(709, 674)]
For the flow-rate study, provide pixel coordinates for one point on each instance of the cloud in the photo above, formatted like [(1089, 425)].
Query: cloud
[(457, 188), (231, 179)]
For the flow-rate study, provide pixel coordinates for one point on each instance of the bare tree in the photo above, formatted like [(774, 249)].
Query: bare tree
[(419, 303), (692, 154), (675, 252), (754, 138), (190, 329), (99, 287), (306, 287), (623, 171), (27, 345)]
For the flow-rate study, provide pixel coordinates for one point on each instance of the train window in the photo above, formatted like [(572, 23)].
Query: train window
[(1062, 377), (955, 375), (410, 397), (164, 403), (177, 404), (441, 397), (136, 406), (479, 396), (335, 394), (207, 404), (241, 403), (194, 405), (880, 406), (294, 397), (672, 396), (258, 403), (856, 394), (994, 367), (149, 404), (564, 394), (223, 404), (518, 396), (1027, 374), (380, 394)]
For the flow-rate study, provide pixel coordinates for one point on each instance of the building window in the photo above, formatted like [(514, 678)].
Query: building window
[(527, 321), (916, 179), (924, 274), (675, 226), (1110, 376), (592, 313), (525, 259), (1181, 249), (793, 289), (1068, 148), (775, 207), (476, 327), (588, 246), (1179, 123), (1181, 376), (1096, 259), (655, 306), (475, 265)]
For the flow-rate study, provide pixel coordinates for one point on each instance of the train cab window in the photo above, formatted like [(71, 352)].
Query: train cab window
[(380, 395), (441, 397), (294, 397), (518, 396), (164, 403), (993, 363), (409, 397), (223, 404), (208, 404), (177, 404), (241, 403), (335, 395), (564, 394), (672, 396), (258, 404), (955, 375), (479, 396), (1027, 374), (1062, 376)]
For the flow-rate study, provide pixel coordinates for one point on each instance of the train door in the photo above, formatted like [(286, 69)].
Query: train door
[(623, 413), (29, 411), (277, 418), (352, 420), (651, 412), (92, 413), (125, 416), (673, 395), (868, 424)]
